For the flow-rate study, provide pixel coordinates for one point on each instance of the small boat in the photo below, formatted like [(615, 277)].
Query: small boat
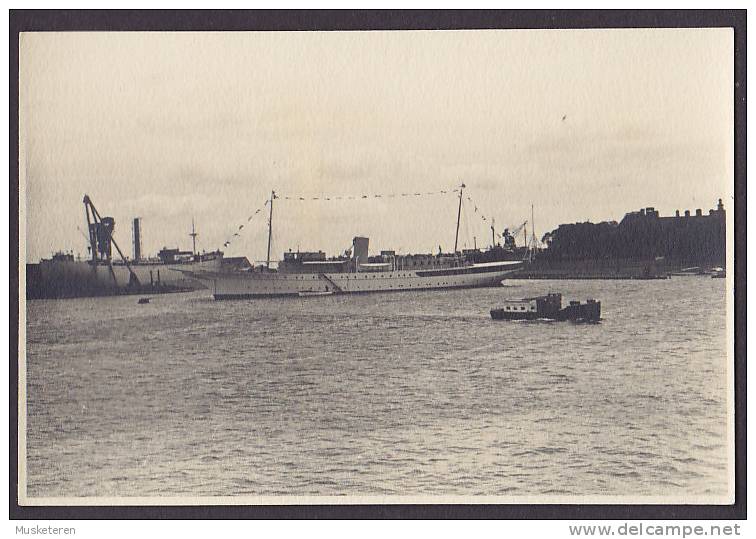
[(548, 307), (718, 273), (308, 293), (142, 301), (688, 272)]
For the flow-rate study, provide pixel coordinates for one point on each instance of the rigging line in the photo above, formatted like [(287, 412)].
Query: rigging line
[(237, 234), (363, 196), (465, 224), (482, 214), (241, 227), (489, 221)]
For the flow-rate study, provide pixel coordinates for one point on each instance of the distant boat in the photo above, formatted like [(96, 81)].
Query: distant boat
[(718, 273), (688, 272)]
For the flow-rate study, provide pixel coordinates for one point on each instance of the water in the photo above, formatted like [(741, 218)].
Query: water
[(385, 394)]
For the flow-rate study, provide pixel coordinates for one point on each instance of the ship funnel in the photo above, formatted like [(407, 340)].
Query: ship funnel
[(360, 250), (137, 229)]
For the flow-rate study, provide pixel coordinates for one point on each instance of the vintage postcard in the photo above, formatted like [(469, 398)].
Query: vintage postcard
[(376, 267)]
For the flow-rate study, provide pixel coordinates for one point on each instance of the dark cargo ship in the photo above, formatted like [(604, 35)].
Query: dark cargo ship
[(110, 272), (548, 307)]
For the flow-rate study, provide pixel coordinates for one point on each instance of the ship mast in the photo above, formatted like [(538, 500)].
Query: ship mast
[(532, 226), (194, 239), (459, 214), (270, 226)]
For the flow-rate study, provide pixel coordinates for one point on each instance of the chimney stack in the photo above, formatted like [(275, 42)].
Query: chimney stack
[(137, 239)]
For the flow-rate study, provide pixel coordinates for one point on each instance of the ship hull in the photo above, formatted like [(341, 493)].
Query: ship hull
[(69, 278), (259, 285)]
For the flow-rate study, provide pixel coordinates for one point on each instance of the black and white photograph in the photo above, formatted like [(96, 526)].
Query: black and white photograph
[(448, 266)]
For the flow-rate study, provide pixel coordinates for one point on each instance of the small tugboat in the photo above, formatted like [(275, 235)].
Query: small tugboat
[(548, 307)]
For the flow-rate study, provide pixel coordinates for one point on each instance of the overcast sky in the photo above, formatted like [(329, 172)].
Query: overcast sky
[(585, 125)]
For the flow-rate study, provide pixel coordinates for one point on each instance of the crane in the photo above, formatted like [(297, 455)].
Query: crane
[(101, 238), (518, 229), (89, 247), (509, 237)]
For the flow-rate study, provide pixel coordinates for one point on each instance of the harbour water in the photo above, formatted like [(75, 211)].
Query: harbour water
[(385, 394)]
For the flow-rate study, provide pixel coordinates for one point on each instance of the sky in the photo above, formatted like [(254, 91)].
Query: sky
[(170, 127)]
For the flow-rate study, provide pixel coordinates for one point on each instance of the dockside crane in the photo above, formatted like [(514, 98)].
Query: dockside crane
[(101, 238), (517, 230)]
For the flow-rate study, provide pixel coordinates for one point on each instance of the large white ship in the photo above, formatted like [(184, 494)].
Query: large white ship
[(303, 277), (312, 274)]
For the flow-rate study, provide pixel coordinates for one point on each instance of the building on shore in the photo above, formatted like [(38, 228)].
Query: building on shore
[(683, 239), (643, 245)]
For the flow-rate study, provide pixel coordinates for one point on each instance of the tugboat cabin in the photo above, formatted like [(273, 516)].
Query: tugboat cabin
[(547, 306), (520, 305)]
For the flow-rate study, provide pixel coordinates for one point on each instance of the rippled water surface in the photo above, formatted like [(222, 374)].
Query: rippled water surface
[(398, 393)]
